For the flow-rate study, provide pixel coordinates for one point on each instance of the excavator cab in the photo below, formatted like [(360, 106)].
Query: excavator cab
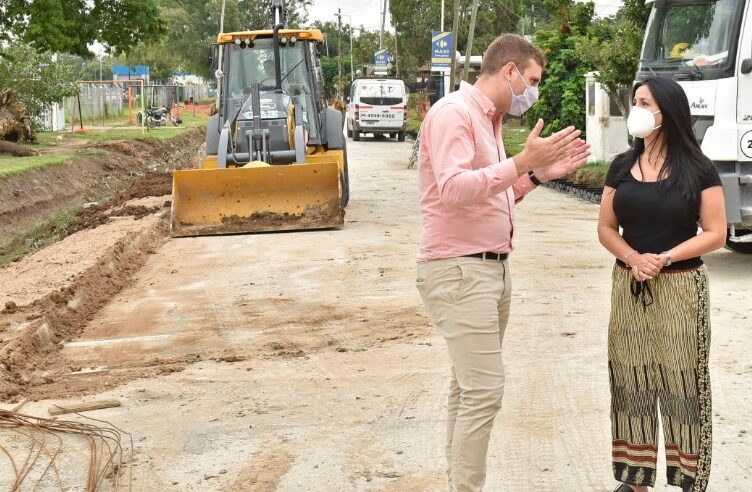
[(275, 153)]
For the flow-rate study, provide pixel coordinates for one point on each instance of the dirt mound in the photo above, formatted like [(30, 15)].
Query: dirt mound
[(61, 315), (97, 173), (51, 295)]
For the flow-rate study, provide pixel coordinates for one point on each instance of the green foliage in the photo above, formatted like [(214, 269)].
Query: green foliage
[(15, 165), (37, 79), (562, 92), (69, 26), (415, 20), (613, 46)]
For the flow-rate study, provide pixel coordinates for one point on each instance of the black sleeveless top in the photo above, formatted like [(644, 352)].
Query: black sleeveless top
[(656, 218)]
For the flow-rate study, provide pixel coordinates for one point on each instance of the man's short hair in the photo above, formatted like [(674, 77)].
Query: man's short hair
[(510, 48)]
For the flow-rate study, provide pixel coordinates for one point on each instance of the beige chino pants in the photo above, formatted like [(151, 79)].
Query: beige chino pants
[(468, 300)]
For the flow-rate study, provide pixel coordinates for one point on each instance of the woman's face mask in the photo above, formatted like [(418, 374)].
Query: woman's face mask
[(524, 101), (641, 122)]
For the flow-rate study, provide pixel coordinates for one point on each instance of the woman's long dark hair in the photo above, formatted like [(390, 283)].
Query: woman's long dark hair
[(685, 163)]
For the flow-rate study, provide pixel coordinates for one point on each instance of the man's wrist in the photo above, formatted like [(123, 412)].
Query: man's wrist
[(522, 164)]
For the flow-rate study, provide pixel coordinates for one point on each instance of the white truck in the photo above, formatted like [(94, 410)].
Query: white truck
[(377, 106), (706, 46)]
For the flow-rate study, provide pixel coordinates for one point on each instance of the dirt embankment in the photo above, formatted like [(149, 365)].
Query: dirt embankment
[(47, 297), (97, 170)]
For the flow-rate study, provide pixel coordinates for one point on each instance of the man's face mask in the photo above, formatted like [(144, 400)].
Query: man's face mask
[(524, 101)]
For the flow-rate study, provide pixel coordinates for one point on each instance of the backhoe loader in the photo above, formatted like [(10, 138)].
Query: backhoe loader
[(275, 152)]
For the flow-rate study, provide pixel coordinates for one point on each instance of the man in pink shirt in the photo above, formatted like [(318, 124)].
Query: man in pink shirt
[(468, 190)]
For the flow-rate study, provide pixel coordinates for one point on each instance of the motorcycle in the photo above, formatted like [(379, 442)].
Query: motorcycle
[(157, 116)]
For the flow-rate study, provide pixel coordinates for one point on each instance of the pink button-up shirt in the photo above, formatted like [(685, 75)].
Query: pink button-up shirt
[(468, 188)]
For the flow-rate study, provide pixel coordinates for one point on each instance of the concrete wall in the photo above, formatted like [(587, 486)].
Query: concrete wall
[(606, 133)]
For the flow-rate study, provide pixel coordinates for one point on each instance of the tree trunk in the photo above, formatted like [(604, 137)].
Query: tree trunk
[(16, 149)]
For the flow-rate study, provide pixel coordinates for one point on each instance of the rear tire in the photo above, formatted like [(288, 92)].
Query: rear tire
[(344, 180), (349, 132), (356, 136), (401, 136), (743, 248)]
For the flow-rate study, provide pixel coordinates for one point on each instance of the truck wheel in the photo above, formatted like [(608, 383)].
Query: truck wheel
[(349, 132), (344, 180), (743, 248), (401, 136), (356, 135)]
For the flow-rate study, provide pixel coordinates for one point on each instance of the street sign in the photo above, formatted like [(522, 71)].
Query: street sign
[(441, 49), (380, 60)]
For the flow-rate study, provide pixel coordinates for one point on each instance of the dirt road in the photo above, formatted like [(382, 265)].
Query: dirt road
[(303, 361)]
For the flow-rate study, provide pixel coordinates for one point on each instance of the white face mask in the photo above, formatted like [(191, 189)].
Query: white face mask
[(641, 122), (524, 101)]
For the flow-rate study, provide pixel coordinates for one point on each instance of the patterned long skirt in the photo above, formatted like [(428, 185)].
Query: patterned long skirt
[(658, 344)]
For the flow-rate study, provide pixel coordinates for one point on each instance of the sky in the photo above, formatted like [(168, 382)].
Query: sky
[(368, 12)]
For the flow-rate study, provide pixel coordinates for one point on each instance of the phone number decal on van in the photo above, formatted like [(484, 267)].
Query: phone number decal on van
[(379, 116)]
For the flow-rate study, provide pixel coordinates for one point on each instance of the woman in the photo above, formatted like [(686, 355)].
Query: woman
[(659, 331)]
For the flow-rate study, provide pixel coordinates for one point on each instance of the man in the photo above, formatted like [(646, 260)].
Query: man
[(468, 189)]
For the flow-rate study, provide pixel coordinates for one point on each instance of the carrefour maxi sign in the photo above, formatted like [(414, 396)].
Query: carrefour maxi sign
[(441, 49)]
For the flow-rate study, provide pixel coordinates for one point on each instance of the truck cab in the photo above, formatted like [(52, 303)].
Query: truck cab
[(706, 46)]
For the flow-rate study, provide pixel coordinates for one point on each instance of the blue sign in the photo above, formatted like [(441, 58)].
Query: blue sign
[(380, 59), (441, 49), (135, 71)]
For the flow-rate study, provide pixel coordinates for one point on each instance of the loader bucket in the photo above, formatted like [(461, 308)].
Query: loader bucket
[(256, 199)]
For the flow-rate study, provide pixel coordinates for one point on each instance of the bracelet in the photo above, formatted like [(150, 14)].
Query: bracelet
[(626, 258), (534, 179)]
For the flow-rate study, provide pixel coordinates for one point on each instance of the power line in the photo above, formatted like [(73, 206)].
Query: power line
[(361, 7)]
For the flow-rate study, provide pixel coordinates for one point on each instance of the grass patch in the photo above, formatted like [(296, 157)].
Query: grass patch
[(40, 236), (130, 133), (15, 165), (514, 137), (413, 125), (53, 229)]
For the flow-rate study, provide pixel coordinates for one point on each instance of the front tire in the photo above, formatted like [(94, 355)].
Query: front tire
[(401, 136), (742, 248)]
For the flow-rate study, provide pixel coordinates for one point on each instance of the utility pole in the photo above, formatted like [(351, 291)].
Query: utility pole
[(339, 52), (442, 15), (383, 21), (455, 28), (352, 72), (218, 73), (473, 15), (396, 51)]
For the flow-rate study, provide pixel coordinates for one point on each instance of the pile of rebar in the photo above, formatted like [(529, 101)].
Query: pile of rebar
[(44, 443)]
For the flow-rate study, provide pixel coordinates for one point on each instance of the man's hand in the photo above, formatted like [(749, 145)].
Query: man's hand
[(581, 152), (542, 152)]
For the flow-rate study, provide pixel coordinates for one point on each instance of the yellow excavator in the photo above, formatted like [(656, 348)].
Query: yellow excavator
[(275, 152)]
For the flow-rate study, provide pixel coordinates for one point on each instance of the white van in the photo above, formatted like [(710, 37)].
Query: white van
[(377, 106)]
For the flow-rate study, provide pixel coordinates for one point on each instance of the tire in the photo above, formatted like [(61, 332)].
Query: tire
[(175, 121), (356, 136), (401, 136), (139, 119), (344, 180), (742, 248), (349, 132)]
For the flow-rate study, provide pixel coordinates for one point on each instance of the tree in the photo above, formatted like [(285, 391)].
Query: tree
[(562, 91), (613, 48), (36, 77), (70, 26), (415, 21)]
